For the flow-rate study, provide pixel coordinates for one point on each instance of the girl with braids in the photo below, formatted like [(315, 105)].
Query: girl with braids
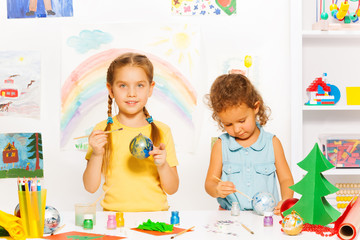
[(131, 184), (246, 157)]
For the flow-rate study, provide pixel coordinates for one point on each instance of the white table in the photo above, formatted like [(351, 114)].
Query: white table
[(202, 220)]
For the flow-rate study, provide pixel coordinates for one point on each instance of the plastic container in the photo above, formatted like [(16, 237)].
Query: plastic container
[(175, 219), (120, 222), (235, 209), (111, 222), (268, 219), (88, 221), (81, 210)]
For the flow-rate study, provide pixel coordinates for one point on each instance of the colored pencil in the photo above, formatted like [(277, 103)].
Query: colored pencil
[(19, 184), (104, 132), (235, 189), (182, 232)]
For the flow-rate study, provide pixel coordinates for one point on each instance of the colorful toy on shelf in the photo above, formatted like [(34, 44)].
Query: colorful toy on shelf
[(347, 192), (342, 15), (343, 153), (322, 93), (353, 95)]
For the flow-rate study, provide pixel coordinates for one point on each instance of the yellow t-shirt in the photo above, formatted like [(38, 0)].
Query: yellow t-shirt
[(135, 183)]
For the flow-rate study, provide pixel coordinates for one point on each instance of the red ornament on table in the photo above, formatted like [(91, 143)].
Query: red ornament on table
[(288, 203)]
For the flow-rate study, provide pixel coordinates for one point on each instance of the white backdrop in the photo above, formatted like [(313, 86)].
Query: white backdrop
[(258, 29)]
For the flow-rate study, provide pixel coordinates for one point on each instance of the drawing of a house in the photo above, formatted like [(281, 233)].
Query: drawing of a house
[(10, 154), (9, 89)]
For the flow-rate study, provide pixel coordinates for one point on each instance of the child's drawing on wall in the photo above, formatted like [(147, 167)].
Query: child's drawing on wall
[(22, 155), (20, 84), (33, 7), (39, 9)]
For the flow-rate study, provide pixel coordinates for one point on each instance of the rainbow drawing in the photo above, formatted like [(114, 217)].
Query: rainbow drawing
[(86, 87)]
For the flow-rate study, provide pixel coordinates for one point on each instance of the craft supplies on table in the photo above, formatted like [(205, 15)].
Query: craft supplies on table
[(81, 210), (88, 221), (175, 219), (111, 222), (268, 219), (32, 202), (235, 209), (120, 222)]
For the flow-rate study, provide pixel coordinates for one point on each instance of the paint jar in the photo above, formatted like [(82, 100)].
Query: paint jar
[(235, 209), (120, 222), (81, 210), (175, 219), (111, 222), (88, 221), (268, 219)]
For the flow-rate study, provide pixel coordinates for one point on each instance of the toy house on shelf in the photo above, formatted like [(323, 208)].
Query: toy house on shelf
[(321, 93)]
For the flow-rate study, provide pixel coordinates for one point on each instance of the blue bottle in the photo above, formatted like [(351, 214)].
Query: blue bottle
[(175, 220)]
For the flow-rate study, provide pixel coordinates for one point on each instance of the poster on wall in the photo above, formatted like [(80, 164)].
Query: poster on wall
[(22, 155), (20, 84), (89, 50), (203, 7), (39, 8)]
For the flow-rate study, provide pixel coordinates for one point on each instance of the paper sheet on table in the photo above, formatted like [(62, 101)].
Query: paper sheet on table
[(81, 235), (156, 233)]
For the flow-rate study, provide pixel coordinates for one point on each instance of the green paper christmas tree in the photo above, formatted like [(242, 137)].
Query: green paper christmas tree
[(312, 206)]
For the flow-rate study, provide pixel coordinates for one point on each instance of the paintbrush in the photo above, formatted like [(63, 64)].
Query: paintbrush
[(182, 232), (247, 229), (104, 132), (57, 230), (235, 189), (101, 196)]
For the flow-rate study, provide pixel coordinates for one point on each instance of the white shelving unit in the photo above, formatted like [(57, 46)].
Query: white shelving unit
[(313, 53)]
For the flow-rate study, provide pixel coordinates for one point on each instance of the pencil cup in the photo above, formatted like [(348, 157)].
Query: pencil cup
[(32, 211), (81, 210)]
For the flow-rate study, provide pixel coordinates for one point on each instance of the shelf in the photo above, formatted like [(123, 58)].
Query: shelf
[(331, 108), (330, 34), (342, 171)]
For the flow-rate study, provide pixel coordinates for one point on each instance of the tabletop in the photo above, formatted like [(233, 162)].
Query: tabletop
[(208, 225)]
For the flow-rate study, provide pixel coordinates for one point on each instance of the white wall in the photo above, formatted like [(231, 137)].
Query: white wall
[(260, 27)]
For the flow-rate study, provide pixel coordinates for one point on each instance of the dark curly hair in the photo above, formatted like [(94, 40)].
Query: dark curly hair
[(231, 90)]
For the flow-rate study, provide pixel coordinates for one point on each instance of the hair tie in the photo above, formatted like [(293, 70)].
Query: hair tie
[(110, 120), (149, 119)]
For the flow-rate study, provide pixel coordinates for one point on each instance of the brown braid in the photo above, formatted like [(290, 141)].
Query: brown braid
[(155, 132), (106, 159)]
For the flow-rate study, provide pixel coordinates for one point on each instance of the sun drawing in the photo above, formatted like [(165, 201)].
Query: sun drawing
[(180, 45)]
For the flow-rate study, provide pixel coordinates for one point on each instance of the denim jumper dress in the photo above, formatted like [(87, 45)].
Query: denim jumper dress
[(251, 169)]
